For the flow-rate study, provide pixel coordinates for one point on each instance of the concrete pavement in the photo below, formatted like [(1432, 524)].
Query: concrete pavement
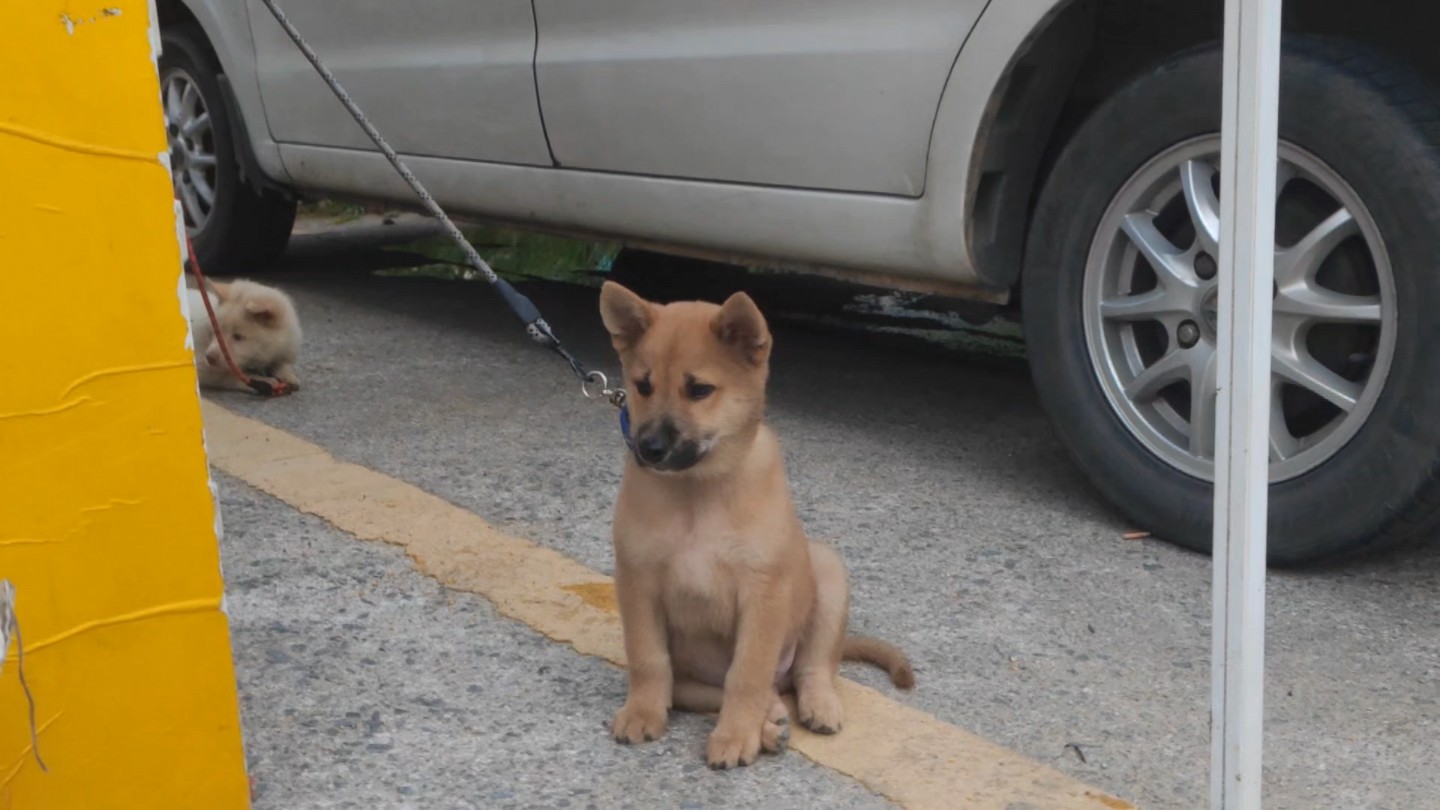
[(367, 685), (971, 540)]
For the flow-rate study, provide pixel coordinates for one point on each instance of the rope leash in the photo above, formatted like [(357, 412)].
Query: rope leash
[(593, 384)]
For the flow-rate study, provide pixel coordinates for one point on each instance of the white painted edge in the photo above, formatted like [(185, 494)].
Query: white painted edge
[(154, 33), (7, 618)]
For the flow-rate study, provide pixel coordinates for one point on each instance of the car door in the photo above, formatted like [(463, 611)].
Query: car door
[(441, 78), (825, 94)]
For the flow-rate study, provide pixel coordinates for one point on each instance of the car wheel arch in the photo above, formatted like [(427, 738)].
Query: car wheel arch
[(235, 54)]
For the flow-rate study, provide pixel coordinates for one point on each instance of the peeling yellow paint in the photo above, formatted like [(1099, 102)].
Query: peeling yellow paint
[(62, 407), (71, 23), (78, 147), (595, 594), (900, 752), (107, 523), (210, 605), (183, 366)]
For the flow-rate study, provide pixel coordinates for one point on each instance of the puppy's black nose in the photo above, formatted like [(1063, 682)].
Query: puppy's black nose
[(652, 449)]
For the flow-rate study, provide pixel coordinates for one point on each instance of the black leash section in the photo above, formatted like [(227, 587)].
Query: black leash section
[(523, 307)]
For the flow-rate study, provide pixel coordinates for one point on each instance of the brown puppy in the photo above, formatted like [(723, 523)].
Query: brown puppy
[(724, 601)]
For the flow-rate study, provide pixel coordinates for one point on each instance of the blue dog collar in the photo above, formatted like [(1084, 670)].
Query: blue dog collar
[(625, 427)]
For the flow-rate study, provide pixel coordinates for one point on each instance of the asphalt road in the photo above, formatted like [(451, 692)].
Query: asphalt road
[(972, 542)]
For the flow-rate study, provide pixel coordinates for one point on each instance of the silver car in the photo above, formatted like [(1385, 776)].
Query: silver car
[(1042, 157)]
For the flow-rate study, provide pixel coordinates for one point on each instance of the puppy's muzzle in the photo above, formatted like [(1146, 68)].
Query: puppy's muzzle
[(659, 446)]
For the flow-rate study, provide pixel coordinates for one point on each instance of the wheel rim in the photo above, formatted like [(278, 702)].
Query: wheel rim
[(192, 146), (1150, 292)]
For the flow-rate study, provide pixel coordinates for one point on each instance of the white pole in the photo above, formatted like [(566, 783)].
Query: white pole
[(1247, 251)]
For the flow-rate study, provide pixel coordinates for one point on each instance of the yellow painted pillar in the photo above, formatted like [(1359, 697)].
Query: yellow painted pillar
[(107, 523)]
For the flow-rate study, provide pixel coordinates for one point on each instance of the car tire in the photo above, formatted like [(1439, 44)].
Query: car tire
[(1356, 129), (235, 226)]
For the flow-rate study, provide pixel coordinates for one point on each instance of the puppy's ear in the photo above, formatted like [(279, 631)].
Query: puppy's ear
[(262, 312), (221, 290), (740, 325), (626, 315)]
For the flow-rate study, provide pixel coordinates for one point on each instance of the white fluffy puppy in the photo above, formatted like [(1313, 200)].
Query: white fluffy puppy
[(261, 328)]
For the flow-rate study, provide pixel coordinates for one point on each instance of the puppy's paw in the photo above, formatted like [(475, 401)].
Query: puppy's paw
[(637, 724), (732, 748), (775, 734), (287, 375), (821, 710)]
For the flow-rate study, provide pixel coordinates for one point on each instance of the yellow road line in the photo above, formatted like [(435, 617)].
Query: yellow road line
[(899, 752)]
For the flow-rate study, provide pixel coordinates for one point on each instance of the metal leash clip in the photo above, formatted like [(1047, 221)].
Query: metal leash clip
[(596, 385)]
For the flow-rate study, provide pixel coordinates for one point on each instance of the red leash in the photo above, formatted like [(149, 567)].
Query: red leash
[(263, 386)]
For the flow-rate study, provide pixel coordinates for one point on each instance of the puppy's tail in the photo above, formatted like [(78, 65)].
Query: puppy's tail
[(882, 654)]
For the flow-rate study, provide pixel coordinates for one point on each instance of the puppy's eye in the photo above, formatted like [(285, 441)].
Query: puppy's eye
[(697, 391), (643, 386), (236, 338)]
